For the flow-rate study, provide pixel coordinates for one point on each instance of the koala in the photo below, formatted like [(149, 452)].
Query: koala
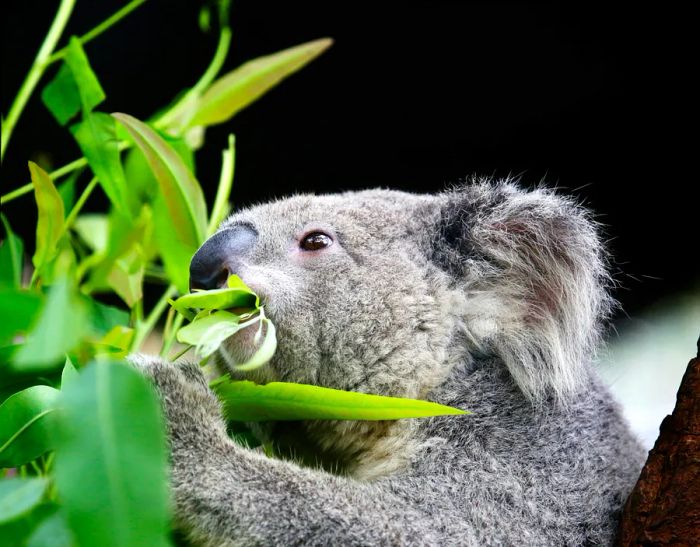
[(485, 297)]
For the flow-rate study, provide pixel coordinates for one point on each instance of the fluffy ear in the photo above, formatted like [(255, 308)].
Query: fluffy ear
[(534, 272)]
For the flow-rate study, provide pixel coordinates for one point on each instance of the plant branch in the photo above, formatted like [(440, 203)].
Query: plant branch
[(99, 29), (35, 72), (144, 329)]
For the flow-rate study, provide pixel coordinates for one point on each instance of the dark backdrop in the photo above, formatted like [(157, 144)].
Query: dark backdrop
[(416, 95)]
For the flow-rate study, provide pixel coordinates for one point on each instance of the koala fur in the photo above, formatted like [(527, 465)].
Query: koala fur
[(485, 297)]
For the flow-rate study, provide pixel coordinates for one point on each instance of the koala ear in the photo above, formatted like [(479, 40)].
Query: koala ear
[(535, 277)]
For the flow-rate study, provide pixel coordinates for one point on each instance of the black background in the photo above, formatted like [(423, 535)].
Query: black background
[(592, 98)]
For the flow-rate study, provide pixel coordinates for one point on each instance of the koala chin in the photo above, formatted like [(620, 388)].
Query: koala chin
[(486, 297)]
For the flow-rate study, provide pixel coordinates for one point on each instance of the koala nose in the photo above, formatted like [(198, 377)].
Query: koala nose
[(220, 256)]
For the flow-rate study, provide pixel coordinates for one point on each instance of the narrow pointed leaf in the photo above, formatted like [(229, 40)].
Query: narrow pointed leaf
[(180, 215), (61, 326), (182, 193), (96, 135), (50, 222), (69, 374), (249, 402), (27, 422), (11, 258), (237, 89), (111, 462), (218, 299)]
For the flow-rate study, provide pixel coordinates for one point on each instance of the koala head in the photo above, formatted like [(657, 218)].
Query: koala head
[(385, 292)]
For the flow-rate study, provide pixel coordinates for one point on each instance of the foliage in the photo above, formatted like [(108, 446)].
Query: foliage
[(81, 435)]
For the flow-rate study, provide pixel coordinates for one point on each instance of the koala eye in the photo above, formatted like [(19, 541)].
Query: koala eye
[(315, 241)]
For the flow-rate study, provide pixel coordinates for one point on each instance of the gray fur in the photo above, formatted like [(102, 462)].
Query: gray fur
[(488, 298)]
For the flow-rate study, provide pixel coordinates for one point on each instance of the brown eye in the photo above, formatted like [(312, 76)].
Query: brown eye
[(316, 241)]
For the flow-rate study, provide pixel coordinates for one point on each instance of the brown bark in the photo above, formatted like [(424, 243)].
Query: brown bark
[(664, 507)]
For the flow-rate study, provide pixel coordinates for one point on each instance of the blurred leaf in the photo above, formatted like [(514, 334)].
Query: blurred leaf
[(11, 258), (27, 420), (17, 531), (19, 495), (61, 95), (118, 338), (249, 402), (237, 89), (89, 88), (67, 191), (97, 138), (112, 420), (19, 310), (49, 225), (223, 191), (180, 212), (93, 229), (104, 318), (69, 374), (208, 333), (61, 326), (126, 277), (53, 531)]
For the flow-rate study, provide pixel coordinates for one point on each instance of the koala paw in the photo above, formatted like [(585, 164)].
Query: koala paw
[(191, 410)]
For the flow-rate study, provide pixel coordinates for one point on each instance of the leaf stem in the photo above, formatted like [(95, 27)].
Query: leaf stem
[(223, 192), (70, 219), (58, 173), (170, 340), (172, 115), (35, 72), (99, 29)]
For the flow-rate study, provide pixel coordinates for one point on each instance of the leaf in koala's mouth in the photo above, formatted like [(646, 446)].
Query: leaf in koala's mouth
[(218, 314)]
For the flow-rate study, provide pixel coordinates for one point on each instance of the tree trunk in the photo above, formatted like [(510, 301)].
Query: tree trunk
[(664, 507)]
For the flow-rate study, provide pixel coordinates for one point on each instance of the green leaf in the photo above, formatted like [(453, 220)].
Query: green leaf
[(104, 318), (97, 137), (89, 88), (111, 463), (93, 229), (249, 402), (61, 95), (11, 258), (67, 191), (53, 531), (207, 333), (218, 299), (19, 495), (61, 326), (239, 88), (18, 531), (27, 420), (69, 374), (117, 341), (49, 225), (266, 350), (126, 277), (19, 310), (180, 213)]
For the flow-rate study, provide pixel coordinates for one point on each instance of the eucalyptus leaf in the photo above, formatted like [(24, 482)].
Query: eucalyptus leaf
[(19, 310), (218, 299), (93, 229), (11, 257), (61, 95), (223, 191), (61, 326), (239, 88), (207, 333), (126, 277), (49, 224), (27, 420), (180, 214), (97, 137), (52, 531), (112, 420), (69, 374), (19, 495), (265, 350), (249, 402), (89, 88)]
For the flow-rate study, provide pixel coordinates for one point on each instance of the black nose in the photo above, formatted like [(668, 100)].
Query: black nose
[(220, 257)]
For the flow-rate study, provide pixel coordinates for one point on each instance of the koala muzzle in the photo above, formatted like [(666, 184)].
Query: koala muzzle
[(220, 256)]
